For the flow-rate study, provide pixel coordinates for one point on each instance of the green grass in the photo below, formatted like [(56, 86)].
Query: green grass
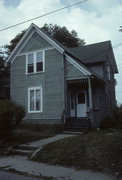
[(27, 133), (99, 151), (31, 132)]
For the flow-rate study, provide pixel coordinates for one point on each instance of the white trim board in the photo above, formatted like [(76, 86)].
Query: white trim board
[(37, 50)]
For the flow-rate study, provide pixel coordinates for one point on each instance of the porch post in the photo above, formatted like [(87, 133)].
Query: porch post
[(90, 97)]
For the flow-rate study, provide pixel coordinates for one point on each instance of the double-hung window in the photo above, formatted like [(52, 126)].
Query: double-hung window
[(35, 62), (35, 99)]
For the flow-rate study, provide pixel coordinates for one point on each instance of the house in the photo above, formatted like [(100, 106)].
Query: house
[(56, 83)]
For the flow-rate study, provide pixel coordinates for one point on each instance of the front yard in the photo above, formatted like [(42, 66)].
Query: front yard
[(27, 133), (99, 151), (95, 150)]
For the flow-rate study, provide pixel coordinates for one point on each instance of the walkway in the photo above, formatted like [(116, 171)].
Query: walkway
[(22, 164)]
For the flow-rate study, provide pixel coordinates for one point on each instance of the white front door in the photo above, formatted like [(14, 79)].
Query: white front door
[(81, 104)]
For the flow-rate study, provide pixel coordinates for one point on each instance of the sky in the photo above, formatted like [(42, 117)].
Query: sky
[(93, 20)]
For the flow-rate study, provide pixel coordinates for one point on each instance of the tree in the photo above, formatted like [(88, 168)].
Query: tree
[(61, 34), (9, 47), (4, 71), (11, 115)]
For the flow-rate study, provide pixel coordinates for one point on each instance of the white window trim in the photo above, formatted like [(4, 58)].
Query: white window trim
[(41, 100), (34, 53)]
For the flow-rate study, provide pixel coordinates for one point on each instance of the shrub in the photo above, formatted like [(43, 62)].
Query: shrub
[(114, 120), (10, 115)]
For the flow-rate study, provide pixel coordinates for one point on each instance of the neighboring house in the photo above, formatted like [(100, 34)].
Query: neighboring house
[(54, 82)]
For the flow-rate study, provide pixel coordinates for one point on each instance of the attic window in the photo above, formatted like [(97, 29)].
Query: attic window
[(35, 62)]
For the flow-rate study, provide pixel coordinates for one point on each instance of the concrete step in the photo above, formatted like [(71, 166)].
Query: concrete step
[(23, 152), (24, 147), (76, 124)]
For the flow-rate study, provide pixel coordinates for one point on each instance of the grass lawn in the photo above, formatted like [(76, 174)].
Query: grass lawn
[(27, 133), (99, 151)]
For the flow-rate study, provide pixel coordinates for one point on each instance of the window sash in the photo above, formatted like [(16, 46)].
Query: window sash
[(36, 63), (30, 63), (35, 99)]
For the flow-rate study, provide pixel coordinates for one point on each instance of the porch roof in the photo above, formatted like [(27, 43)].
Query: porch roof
[(77, 80)]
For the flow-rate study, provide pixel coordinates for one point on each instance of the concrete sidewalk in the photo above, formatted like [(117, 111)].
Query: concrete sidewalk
[(43, 142), (21, 164)]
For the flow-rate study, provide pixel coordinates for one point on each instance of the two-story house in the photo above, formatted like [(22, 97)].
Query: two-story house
[(56, 83)]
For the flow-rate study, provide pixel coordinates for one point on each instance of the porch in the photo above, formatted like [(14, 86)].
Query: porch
[(82, 103), (79, 98)]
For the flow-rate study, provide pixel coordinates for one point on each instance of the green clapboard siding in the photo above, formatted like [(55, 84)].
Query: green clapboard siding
[(34, 43), (72, 71), (51, 81)]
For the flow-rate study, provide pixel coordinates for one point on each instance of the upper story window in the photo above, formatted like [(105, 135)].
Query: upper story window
[(39, 61), (35, 62), (30, 62)]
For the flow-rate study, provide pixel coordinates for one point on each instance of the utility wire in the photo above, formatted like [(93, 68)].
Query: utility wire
[(42, 15)]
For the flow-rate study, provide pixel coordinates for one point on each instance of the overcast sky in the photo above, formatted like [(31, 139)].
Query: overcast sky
[(93, 20)]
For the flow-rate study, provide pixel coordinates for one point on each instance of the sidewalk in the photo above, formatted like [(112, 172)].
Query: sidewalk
[(22, 164), (43, 142)]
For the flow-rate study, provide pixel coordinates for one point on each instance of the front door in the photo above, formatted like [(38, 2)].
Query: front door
[(81, 104)]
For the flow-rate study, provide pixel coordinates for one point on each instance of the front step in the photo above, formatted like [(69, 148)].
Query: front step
[(24, 150), (76, 124)]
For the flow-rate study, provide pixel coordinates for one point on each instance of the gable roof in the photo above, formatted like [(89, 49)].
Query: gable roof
[(33, 28), (84, 55), (95, 53)]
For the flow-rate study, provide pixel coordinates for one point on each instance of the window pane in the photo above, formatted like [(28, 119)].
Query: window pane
[(39, 66), (30, 63), (38, 100), (81, 98), (39, 61), (31, 100)]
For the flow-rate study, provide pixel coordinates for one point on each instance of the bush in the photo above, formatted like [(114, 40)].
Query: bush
[(10, 116), (114, 120)]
